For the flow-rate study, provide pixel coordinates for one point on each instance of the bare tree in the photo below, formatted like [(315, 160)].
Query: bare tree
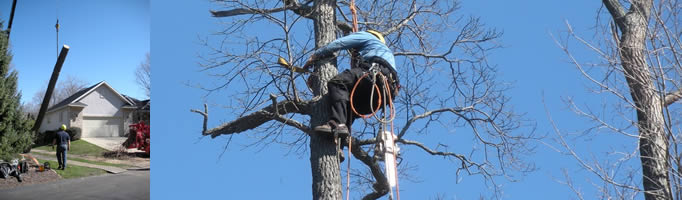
[(447, 84), (64, 89), (143, 75), (639, 53)]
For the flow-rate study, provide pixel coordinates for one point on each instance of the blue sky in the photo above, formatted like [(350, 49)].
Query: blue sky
[(108, 40), (187, 166)]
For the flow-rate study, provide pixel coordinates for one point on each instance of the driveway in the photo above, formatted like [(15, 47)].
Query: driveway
[(130, 185), (108, 143)]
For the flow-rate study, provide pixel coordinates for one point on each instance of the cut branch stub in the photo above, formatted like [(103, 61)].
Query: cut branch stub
[(260, 117)]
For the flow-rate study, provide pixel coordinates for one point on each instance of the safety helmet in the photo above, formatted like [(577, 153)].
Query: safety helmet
[(63, 127), (378, 35)]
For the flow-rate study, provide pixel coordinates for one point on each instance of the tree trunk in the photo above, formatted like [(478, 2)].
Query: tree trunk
[(324, 162), (653, 144)]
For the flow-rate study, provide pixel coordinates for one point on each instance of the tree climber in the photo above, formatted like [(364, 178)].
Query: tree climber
[(371, 53)]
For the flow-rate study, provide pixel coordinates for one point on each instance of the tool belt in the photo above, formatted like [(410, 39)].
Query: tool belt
[(385, 69)]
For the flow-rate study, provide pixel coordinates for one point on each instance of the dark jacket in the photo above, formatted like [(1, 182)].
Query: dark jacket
[(63, 138)]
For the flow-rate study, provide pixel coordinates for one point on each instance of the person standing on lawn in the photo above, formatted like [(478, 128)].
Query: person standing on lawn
[(64, 145)]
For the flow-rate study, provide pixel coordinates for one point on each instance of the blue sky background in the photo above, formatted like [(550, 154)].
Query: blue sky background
[(108, 40), (187, 166)]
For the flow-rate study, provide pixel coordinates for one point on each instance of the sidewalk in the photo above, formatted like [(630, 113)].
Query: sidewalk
[(110, 169)]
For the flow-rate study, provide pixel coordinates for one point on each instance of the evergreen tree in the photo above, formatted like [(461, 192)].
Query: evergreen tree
[(15, 134)]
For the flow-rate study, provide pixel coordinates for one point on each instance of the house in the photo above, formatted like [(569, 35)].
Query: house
[(99, 110), (141, 113)]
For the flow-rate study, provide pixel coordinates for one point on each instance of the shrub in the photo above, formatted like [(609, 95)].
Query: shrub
[(75, 133), (45, 138)]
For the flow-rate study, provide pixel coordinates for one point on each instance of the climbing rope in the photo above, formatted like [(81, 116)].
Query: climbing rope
[(387, 118), (353, 12)]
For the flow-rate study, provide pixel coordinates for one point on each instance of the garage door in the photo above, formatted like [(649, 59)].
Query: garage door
[(101, 126)]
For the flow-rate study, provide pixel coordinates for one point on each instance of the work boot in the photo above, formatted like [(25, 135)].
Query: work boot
[(331, 127)]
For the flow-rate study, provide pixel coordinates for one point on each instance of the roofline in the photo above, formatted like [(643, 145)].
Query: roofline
[(90, 91), (97, 86), (56, 109), (60, 107)]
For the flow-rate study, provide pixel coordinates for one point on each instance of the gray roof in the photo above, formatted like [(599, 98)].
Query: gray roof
[(73, 99), (139, 104)]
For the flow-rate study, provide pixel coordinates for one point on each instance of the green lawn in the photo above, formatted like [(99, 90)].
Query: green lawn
[(73, 171), (79, 147), (87, 161)]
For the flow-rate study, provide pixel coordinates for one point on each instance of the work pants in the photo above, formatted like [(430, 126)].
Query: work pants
[(341, 86), (61, 155)]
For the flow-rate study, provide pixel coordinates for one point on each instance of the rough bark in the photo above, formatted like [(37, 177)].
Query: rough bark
[(324, 162), (653, 144), (486, 110)]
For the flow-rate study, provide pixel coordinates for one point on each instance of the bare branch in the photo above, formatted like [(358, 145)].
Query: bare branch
[(427, 114), (264, 115), (474, 99), (244, 11), (413, 13), (433, 152), (381, 186), (302, 10), (287, 121), (617, 11), (672, 97), (344, 27), (205, 114)]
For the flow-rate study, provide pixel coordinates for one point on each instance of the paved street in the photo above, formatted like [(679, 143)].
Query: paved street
[(130, 185)]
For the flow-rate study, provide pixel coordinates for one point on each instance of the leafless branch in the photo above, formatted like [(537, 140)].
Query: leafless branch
[(456, 111), (205, 114), (266, 114), (616, 10), (293, 5), (672, 97), (381, 187), (474, 100)]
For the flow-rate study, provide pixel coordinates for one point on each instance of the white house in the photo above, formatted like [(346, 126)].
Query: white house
[(99, 110)]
